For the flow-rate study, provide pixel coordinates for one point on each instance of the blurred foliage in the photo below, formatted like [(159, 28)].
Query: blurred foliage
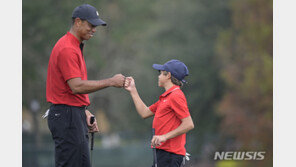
[(227, 46), (246, 56)]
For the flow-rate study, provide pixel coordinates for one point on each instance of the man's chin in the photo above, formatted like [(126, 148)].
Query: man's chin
[(87, 38)]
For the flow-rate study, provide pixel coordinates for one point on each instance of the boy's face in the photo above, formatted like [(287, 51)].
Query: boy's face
[(163, 79)]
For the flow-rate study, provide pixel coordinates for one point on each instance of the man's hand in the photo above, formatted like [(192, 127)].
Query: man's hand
[(157, 140), (118, 81), (92, 127), (129, 84)]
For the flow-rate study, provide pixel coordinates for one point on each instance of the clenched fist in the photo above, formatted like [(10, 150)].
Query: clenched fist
[(129, 84), (118, 81)]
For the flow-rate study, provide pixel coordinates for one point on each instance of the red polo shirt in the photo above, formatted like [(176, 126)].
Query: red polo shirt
[(66, 62), (169, 110)]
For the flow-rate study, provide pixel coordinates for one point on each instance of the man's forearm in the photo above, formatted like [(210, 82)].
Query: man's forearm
[(89, 86)]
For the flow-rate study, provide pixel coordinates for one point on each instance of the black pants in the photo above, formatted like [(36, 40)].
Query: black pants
[(167, 159), (69, 131)]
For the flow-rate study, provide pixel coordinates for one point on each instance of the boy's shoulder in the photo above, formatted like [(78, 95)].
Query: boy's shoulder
[(177, 93), (177, 97)]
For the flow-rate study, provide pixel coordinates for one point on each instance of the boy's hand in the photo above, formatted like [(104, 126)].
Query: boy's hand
[(157, 140), (91, 127), (129, 84)]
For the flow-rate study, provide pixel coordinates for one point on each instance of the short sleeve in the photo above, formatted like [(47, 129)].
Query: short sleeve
[(69, 64), (153, 107), (179, 106)]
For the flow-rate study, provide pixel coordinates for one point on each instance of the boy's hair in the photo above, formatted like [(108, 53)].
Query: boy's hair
[(174, 79)]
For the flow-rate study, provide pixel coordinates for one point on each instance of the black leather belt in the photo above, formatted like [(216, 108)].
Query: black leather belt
[(81, 107)]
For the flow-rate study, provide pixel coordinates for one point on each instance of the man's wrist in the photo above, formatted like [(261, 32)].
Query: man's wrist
[(88, 113), (110, 82)]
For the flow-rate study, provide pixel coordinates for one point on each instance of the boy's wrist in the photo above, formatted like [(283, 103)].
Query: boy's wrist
[(133, 91), (165, 136)]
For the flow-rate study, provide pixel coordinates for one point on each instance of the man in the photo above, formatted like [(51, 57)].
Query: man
[(67, 89)]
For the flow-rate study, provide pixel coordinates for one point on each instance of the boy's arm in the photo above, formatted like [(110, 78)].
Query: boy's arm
[(141, 107), (185, 126)]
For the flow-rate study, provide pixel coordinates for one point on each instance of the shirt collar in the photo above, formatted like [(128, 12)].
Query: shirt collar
[(173, 88), (73, 39)]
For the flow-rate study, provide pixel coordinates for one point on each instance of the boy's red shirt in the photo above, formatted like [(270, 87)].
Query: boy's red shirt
[(169, 110)]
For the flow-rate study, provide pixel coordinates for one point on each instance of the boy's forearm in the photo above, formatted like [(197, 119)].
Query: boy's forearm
[(184, 127), (139, 104)]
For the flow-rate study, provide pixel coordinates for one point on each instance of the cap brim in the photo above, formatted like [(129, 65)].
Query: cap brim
[(97, 22), (158, 67)]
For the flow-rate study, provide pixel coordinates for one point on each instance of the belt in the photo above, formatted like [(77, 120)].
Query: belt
[(45, 115), (81, 107)]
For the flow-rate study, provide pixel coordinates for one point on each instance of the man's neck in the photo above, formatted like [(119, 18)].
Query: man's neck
[(72, 31)]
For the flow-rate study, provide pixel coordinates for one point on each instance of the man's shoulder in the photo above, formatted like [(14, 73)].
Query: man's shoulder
[(65, 42), (62, 41), (64, 47)]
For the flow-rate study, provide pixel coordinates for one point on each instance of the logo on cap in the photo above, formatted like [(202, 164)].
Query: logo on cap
[(97, 13)]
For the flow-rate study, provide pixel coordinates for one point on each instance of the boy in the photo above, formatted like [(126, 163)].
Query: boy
[(172, 119)]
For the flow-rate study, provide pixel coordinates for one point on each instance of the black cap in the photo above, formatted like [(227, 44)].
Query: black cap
[(89, 13)]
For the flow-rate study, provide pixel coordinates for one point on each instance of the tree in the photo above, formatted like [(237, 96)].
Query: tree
[(245, 51)]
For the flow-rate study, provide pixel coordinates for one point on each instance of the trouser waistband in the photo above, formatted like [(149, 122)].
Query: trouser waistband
[(65, 105)]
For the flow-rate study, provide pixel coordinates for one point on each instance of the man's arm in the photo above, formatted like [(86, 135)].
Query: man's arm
[(185, 126), (141, 107), (79, 86)]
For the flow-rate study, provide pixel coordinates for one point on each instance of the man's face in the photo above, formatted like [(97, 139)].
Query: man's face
[(85, 29)]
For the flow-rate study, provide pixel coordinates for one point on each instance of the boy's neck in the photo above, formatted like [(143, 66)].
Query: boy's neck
[(168, 85)]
